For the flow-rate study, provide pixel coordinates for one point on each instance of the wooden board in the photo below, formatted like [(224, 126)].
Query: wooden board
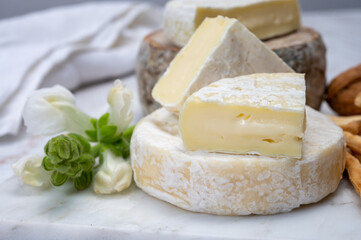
[(303, 50)]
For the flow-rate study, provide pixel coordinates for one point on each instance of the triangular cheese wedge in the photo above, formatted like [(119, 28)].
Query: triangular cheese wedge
[(220, 48), (254, 114)]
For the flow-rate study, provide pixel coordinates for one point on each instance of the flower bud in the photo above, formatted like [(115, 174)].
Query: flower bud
[(30, 171), (52, 110), (120, 101), (114, 175)]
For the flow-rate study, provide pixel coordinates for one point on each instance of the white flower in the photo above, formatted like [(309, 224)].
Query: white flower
[(114, 175), (120, 101), (52, 110), (31, 172)]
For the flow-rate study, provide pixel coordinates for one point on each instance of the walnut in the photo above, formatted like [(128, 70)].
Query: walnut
[(342, 91)]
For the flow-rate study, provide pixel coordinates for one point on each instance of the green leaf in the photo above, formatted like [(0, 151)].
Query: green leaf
[(58, 179), (63, 147), (94, 122), (95, 150), (127, 134), (92, 134), (62, 167), (86, 161), (83, 142), (101, 158), (115, 150), (103, 120), (51, 149), (83, 181), (113, 139), (47, 164), (125, 148), (107, 132), (120, 148), (46, 148), (104, 147), (75, 170)]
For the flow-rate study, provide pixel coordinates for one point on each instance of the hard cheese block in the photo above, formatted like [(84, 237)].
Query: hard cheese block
[(256, 114), (265, 18), (221, 47), (229, 184)]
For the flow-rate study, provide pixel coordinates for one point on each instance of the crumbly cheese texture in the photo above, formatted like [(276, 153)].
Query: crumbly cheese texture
[(256, 114), (228, 184), (264, 18), (220, 48)]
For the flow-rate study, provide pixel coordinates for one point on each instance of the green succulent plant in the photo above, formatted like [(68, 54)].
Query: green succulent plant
[(78, 155), (69, 157)]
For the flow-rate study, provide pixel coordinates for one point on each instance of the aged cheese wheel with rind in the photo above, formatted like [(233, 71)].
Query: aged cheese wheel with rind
[(303, 50), (230, 184)]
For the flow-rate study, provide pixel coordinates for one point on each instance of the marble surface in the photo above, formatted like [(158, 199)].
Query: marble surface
[(25, 212), (66, 214)]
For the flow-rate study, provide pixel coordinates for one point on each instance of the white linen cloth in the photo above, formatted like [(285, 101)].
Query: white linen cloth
[(68, 46)]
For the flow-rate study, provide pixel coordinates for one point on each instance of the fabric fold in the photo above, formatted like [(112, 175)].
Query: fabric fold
[(69, 46)]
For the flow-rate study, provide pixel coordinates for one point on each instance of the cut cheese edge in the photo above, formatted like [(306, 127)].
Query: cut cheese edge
[(264, 18), (228, 184), (220, 48), (156, 53), (256, 114)]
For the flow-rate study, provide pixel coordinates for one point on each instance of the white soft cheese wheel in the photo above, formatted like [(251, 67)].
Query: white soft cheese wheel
[(264, 18), (227, 184)]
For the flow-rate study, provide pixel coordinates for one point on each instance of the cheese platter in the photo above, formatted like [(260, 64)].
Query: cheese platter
[(234, 152)]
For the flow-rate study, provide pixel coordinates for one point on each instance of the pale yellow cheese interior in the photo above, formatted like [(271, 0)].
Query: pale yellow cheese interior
[(241, 129), (250, 114), (171, 87), (264, 19)]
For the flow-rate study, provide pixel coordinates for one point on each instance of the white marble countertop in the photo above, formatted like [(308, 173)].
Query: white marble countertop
[(134, 215), (66, 214)]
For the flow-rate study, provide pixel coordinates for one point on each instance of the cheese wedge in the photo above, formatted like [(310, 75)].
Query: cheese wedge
[(256, 114), (265, 18), (229, 184), (220, 48)]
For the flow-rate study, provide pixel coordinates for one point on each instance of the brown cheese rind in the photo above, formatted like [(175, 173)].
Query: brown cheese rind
[(305, 52), (302, 50)]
